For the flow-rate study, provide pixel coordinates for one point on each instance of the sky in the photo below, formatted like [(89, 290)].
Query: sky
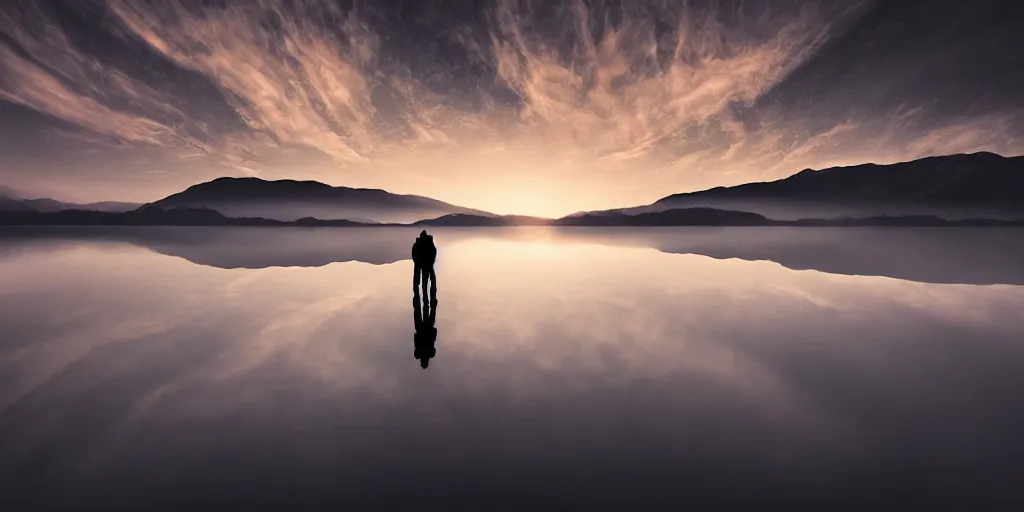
[(530, 107)]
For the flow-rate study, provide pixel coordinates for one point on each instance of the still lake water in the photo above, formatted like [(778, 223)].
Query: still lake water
[(598, 368)]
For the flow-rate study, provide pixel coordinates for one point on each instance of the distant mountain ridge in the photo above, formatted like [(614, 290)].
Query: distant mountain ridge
[(154, 216), (977, 178), (954, 186), (674, 217), (682, 217), (469, 220), (12, 200), (289, 200), (964, 187), (150, 215)]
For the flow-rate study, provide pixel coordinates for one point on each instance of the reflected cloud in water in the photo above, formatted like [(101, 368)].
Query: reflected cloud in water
[(596, 374)]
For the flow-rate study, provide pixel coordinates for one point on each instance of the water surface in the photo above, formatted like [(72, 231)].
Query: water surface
[(599, 368)]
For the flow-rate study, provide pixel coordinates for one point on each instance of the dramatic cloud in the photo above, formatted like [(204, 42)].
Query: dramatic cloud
[(54, 77), (621, 95), (296, 82), (529, 107)]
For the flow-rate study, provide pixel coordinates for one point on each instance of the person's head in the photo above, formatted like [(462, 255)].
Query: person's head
[(423, 234)]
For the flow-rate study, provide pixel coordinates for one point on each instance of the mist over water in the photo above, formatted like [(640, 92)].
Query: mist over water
[(178, 367)]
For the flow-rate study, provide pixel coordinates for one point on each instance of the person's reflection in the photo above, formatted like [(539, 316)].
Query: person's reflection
[(426, 333), (424, 311)]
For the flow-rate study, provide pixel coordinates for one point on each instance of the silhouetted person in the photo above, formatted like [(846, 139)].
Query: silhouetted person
[(424, 312), (423, 255)]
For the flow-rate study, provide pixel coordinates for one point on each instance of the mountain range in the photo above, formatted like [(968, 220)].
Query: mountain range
[(960, 188), (151, 215), (289, 200), (13, 201), (984, 185)]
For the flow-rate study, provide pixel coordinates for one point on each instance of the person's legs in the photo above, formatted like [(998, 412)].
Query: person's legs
[(433, 284)]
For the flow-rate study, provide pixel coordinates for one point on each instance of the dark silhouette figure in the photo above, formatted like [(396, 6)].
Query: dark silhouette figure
[(424, 311), (423, 255)]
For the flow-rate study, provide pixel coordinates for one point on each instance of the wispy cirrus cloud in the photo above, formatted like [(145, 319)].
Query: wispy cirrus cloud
[(295, 82), (624, 93), (54, 77)]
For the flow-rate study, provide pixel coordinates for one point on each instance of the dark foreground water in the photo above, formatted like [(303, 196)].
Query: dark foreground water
[(183, 368)]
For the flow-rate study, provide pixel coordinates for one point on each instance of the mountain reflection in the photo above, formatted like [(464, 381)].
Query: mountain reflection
[(930, 255)]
